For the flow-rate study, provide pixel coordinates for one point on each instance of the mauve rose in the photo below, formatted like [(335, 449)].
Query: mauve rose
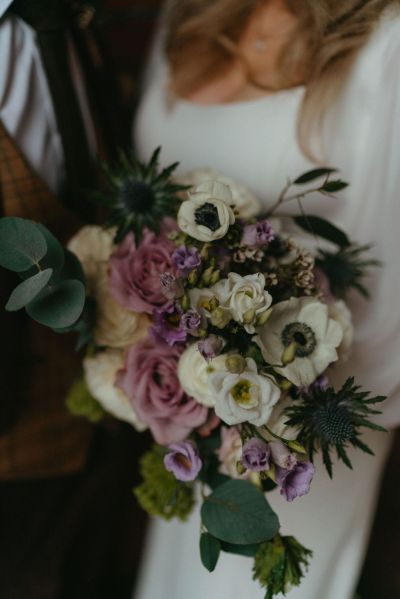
[(295, 483), (150, 381), (134, 276)]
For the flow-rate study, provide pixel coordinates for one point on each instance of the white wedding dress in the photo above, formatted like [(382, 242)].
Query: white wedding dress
[(255, 143)]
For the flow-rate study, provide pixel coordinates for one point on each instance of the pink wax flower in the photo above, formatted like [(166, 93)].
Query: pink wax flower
[(150, 381), (134, 277)]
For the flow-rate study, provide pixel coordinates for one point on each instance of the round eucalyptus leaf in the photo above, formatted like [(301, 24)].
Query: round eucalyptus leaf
[(58, 306), (28, 290), (72, 268), (237, 512), (210, 549), (22, 244)]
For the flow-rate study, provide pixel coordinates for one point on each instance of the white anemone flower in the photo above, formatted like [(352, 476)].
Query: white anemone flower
[(245, 397), (303, 324), (207, 214)]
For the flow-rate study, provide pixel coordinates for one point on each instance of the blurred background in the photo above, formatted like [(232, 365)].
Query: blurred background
[(129, 25)]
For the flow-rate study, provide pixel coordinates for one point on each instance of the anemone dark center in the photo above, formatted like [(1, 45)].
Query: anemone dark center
[(207, 215), (137, 196), (302, 335)]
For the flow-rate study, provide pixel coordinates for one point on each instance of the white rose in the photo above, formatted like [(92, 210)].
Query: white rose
[(207, 214), (340, 312), (194, 372), (245, 397), (244, 297), (93, 246), (100, 373), (245, 203), (115, 325), (303, 321)]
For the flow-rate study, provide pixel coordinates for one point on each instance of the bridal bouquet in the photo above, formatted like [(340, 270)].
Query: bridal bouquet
[(209, 323)]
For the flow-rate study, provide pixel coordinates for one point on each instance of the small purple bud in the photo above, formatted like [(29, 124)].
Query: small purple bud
[(186, 259), (258, 235), (183, 461), (171, 287), (211, 346), (281, 456), (295, 483), (255, 455)]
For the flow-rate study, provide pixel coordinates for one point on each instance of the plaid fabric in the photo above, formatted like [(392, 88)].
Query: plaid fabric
[(37, 366)]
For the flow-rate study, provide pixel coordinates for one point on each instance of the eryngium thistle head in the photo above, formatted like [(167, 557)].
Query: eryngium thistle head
[(331, 420)]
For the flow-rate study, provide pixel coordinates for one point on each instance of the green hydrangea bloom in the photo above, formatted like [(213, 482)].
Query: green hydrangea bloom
[(160, 494), (279, 565), (80, 402)]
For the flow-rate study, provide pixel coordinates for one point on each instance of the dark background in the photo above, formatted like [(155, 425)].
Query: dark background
[(128, 26)]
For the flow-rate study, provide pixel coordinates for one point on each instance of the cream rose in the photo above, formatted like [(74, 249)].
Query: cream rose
[(207, 214), (93, 246), (244, 202), (245, 397), (100, 373), (194, 372), (340, 312), (304, 325), (244, 297)]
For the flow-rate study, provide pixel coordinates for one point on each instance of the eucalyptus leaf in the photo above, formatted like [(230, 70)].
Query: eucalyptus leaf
[(54, 257), (237, 512), (210, 549), (314, 174), (322, 228), (58, 306), (28, 290), (22, 244), (72, 268)]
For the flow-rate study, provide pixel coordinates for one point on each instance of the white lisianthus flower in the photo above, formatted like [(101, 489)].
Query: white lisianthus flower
[(244, 202), (340, 312), (115, 325), (245, 397), (207, 214), (277, 423), (194, 373), (93, 245), (303, 324), (244, 297), (100, 372)]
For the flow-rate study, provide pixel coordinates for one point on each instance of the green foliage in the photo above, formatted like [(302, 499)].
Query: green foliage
[(280, 564), (140, 195), (80, 402), (28, 290), (322, 228), (345, 269), (53, 286), (160, 494), (237, 512), (245, 550), (22, 244), (210, 549), (333, 420), (315, 173)]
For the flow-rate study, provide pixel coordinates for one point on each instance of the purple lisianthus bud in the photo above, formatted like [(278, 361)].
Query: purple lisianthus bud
[(255, 455), (183, 460), (186, 259), (320, 384), (211, 346), (167, 325), (191, 321), (171, 287), (295, 483), (281, 456), (258, 235)]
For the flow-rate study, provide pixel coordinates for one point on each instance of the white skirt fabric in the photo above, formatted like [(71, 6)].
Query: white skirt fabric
[(333, 520)]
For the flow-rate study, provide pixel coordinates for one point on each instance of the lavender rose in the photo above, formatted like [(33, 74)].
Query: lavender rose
[(258, 235), (134, 276), (255, 455), (183, 461), (149, 379), (295, 483)]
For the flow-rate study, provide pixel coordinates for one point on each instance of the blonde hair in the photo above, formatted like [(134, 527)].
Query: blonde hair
[(327, 39)]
